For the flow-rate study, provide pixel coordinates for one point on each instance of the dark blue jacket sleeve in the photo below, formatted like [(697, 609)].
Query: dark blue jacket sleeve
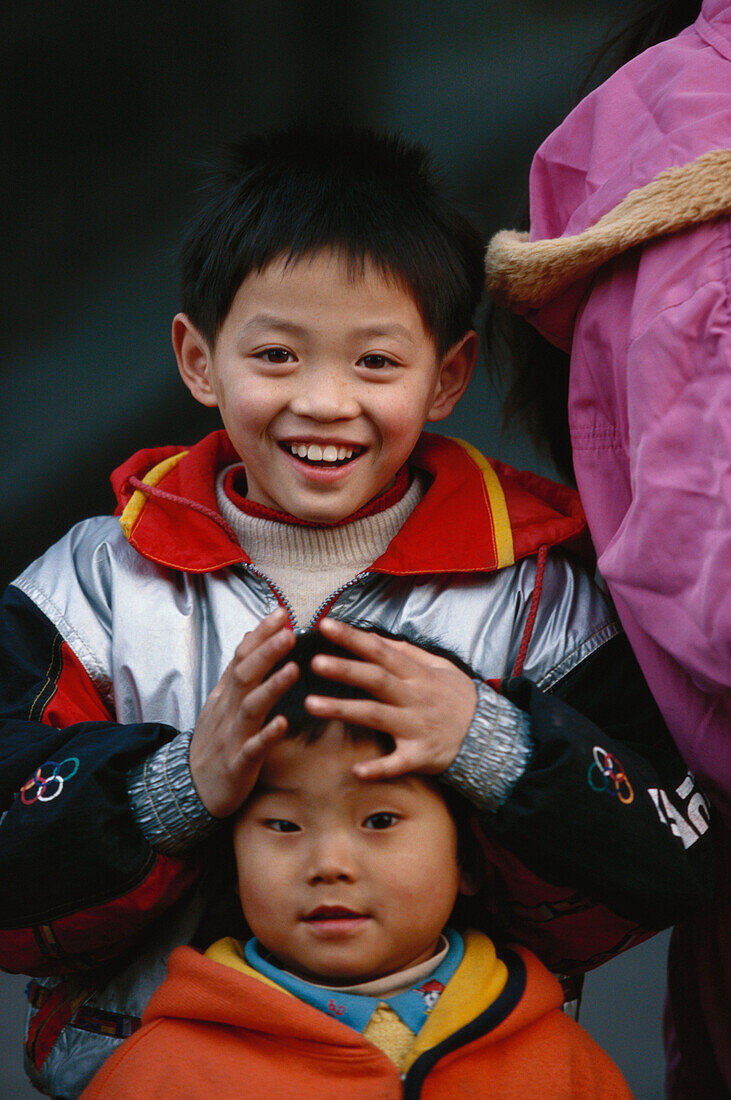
[(606, 804), (79, 879)]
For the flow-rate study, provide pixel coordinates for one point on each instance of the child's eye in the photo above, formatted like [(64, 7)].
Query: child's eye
[(381, 820), (275, 355), (281, 825), (377, 362)]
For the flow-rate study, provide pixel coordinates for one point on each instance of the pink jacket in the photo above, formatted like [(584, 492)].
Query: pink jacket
[(642, 301)]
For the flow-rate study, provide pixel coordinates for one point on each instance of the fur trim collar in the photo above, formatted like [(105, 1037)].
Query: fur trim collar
[(524, 274)]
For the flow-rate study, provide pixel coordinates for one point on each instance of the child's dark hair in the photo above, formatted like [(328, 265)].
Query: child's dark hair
[(292, 704), (368, 196)]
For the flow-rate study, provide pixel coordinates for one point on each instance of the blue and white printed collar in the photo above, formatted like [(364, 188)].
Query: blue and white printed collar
[(355, 1009)]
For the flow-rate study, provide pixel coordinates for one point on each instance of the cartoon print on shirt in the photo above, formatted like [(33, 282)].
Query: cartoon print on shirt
[(430, 991)]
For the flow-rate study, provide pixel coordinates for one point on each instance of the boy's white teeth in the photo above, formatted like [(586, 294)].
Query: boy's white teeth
[(313, 452)]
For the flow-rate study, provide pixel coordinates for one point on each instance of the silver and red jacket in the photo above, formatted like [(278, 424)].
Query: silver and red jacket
[(111, 642)]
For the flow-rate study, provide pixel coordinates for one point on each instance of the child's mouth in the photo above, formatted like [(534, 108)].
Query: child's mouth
[(316, 454), (335, 913)]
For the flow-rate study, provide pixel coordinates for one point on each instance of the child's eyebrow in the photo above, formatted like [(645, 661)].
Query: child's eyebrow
[(270, 320), (372, 332), (407, 781), (261, 789), (393, 329)]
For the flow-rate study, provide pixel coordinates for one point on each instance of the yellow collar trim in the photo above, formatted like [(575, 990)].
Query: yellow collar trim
[(138, 500), (230, 952), (478, 981), (495, 500)]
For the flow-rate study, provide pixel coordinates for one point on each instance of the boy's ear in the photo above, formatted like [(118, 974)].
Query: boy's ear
[(455, 372), (194, 359)]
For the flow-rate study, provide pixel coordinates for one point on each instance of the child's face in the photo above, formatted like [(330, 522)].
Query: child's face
[(324, 381), (344, 880)]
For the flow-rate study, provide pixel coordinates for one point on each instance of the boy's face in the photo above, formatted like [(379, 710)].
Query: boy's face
[(344, 880), (324, 381)]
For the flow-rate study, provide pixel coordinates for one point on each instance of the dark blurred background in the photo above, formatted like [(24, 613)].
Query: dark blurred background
[(108, 111)]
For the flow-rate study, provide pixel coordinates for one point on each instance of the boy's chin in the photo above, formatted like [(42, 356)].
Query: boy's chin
[(339, 511)]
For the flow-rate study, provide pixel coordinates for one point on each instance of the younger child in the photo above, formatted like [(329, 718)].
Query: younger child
[(352, 985)]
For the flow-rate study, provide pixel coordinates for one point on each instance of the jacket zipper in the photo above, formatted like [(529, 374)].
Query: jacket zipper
[(319, 613), (276, 590), (287, 605)]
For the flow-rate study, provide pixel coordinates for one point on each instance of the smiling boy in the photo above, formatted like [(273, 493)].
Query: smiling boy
[(347, 886), (316, 440), (328, 292)]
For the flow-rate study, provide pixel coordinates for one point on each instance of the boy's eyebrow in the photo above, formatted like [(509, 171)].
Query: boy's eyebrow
[(270, 320), (366, 332), (371, 332)]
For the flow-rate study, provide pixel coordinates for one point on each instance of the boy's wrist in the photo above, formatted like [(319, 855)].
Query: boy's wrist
[(164, 800), (495, 752)]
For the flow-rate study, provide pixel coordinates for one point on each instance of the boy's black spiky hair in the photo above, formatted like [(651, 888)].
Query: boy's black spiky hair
[(369, 196)]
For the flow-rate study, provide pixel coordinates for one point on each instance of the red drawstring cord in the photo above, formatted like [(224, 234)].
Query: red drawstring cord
[(161, 494), (532, 612)]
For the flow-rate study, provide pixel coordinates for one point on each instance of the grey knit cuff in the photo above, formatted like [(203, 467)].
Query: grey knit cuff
[(494, 753), (164, 799)]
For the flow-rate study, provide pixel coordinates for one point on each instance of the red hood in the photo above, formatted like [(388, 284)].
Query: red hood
[(478, 515)]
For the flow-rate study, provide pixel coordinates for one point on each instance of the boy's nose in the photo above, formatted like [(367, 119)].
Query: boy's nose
[(324, 396)]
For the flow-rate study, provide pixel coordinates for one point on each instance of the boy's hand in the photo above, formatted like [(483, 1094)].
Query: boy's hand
[(424, 702), (230, 742)]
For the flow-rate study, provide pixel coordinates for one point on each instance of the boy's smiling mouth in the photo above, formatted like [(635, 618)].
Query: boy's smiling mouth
[(322, 454)]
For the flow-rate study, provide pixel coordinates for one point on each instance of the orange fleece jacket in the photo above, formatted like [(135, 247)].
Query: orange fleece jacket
[(211, 1032)]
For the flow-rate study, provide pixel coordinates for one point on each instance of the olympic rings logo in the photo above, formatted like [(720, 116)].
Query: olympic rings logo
[(607, 774), (45, 785)]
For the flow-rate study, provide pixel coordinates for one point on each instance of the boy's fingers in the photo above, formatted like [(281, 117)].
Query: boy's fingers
[(261, 742), (386, 652), (387, 767), (263, 697), (394, 654), (361, 674), (359, 712), (252, 663), (267, 628)]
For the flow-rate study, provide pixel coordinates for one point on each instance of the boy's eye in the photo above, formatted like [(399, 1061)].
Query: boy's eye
[(376, 362), (381, 820), (281, 825), (275, 355)]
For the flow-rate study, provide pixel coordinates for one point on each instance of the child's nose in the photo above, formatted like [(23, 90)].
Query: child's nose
[(324, 395), (331, 860)]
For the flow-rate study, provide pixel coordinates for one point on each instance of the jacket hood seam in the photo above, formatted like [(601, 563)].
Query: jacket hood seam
[(481, 1026), (523, 274)]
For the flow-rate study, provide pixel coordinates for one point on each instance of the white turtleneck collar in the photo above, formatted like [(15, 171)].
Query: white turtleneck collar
[(308, 563)]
